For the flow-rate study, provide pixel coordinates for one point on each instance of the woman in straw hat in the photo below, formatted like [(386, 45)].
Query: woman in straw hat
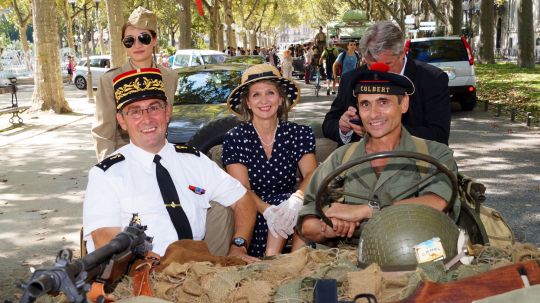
[(265, 151)]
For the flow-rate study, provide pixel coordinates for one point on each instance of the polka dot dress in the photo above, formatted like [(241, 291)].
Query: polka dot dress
[(274, 179)]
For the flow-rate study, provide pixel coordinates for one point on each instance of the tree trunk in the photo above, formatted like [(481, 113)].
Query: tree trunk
[(48, 88), (115, 13), (213, 19), (245, 41), (102, 50), (184, 23), (172, 32), (252, 39), (220, 38), (526, 34), (228, 20), (487, 12), (22, 22), (456, 18), (25, 46), (69, 25)]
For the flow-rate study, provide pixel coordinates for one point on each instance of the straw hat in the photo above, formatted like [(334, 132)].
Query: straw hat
[(257, 73)]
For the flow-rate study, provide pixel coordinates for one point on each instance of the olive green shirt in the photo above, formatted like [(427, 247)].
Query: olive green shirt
[(398, 175), (108, 135)]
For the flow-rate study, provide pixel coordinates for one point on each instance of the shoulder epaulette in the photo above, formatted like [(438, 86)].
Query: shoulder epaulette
[(186, 149), (110, 161)]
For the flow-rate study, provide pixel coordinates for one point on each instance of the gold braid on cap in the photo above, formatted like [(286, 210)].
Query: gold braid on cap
[(135, 86)]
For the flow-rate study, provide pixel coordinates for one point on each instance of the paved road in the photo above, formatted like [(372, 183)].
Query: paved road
[(44, 165)]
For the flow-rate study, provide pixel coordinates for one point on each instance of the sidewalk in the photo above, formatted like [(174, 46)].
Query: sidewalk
[(41, 122)]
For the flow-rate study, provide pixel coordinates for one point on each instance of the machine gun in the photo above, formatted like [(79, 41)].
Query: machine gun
[(108, 264)]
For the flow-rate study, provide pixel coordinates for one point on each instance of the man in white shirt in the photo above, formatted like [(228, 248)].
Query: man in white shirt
[(127, 182)]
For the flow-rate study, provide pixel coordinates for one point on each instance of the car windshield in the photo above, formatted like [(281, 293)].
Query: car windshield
[(438, 51), (206, 86), (213, 59), (181, 60)]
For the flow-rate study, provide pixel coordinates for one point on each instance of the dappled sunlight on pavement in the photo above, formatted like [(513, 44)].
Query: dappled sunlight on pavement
[(505, 157), (45, 164)]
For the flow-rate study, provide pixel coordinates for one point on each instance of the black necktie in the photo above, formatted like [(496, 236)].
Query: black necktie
[(172, 202)]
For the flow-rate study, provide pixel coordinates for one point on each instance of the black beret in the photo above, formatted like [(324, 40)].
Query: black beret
[(378, 80)]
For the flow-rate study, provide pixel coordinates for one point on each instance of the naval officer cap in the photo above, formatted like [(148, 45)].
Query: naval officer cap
[(378, 79), (137, 85)]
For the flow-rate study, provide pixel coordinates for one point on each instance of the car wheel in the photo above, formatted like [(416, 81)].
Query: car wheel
[(80, 83), (212, 134), (468, 102)]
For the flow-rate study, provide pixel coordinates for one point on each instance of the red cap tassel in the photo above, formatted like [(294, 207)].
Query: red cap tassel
[(199, 7)]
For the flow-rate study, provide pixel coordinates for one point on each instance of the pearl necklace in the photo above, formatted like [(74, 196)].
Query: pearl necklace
[(273, 137)]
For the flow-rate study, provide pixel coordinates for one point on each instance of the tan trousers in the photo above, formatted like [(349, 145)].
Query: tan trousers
[(219, 229)]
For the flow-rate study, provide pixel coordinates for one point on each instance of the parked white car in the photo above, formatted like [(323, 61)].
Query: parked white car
[(454, 56), (98, 66), (193, 57)]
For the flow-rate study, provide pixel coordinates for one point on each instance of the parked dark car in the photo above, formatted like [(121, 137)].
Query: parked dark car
[(200, 117)]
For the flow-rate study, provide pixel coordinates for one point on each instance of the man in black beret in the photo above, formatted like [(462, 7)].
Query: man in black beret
[(382, 97), (169, 186), (428, 116)]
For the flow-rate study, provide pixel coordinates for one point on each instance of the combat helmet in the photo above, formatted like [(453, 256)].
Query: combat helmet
[(397, 234)]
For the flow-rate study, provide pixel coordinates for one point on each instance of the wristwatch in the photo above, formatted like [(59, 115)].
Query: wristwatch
[(240, 242), (374, 205)]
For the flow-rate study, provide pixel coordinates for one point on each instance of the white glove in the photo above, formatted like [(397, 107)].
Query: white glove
[(269, 215), (287, 214)]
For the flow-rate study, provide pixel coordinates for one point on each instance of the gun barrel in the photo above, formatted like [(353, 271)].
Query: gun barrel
[(41, 285), (120, 243)]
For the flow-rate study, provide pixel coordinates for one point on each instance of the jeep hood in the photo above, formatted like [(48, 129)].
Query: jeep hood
[(187, 119)]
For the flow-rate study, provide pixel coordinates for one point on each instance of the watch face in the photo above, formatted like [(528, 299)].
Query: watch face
[(239, 241), (374, 205)]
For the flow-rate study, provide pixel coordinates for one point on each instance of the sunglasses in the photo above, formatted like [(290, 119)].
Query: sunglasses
[(144, 38)]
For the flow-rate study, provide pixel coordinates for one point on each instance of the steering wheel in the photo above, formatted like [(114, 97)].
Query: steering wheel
[(325, 191)]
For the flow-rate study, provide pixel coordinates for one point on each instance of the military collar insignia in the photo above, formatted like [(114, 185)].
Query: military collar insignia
[(110, 161), (186, 149)]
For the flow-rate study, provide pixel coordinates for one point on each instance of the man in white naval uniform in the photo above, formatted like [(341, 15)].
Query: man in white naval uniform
[(126, 182)]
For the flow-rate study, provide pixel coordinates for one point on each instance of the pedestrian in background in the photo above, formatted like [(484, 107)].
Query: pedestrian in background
[(139, 37), (70, 68), (287, 66)]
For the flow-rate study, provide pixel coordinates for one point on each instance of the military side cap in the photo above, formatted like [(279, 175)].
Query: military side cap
[(137, 85), (143, 19), (378, 80)]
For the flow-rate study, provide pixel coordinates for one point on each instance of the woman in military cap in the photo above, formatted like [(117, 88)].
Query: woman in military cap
[(139, 37), (265, 151)]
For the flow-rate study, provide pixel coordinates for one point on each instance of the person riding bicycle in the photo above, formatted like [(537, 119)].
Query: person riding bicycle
[(382, 98)]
